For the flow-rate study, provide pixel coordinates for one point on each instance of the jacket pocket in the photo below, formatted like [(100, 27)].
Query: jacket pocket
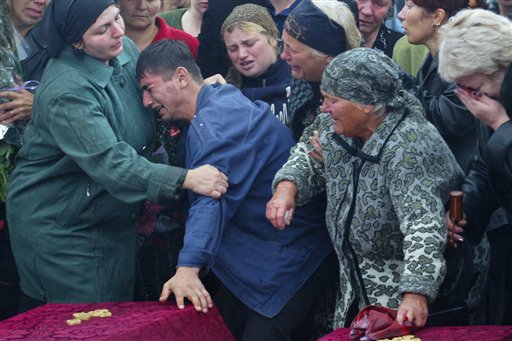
[(70, 212)]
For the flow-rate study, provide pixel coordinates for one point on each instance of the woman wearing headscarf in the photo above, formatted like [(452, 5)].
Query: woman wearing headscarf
[(212, 58), (475, 52), (386, 173), (252, 42), (81, 176), (314, 33)]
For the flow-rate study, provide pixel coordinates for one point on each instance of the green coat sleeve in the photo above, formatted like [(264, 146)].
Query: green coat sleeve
[(81, 130)]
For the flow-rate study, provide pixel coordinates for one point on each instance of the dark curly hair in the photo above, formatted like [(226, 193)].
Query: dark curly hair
[(451, 7)]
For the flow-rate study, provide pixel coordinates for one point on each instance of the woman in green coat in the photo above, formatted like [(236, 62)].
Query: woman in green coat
[(82, 175)]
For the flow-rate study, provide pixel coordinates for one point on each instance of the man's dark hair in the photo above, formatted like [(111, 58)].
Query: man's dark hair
[(164, 57)]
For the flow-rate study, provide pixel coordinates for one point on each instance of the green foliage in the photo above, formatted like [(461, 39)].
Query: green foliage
[(10, 75), (6, 167)]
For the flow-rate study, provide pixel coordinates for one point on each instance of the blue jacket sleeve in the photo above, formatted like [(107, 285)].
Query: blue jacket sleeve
[(208, 217)]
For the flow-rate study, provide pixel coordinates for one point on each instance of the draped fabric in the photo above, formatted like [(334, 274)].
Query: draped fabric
[(462, 333), (129, 321)]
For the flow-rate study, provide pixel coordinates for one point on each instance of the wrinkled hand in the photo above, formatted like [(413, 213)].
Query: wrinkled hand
[(491, 112), (281, 207), (206, 180), (413, 310), (186, 283), (217, 78), (18, 108), (455, 229), (316, 154)]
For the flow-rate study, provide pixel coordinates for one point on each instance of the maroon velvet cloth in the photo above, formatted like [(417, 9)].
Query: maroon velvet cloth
[(376, 322), (129, 321), (461, 333)]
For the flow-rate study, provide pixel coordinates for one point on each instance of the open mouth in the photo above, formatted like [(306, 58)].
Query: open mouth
[(34, 13), (117, 45), (246, 65), (471, 92)]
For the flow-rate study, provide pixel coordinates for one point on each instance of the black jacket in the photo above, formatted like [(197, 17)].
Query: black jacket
[(37, 58), (271, 88), (488, 186), (446, 112)]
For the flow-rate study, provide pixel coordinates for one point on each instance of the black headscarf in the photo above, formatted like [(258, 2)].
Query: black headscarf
[(312, 27), (69, 20)]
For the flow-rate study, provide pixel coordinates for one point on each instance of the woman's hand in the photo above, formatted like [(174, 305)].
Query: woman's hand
[(413, 310), (316, 153), (206, 180), (18, 108), (217, 78), (455, 229), (282, 205), (491, 112)]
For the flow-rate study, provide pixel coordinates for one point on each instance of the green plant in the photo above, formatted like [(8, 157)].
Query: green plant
[(10, 75)]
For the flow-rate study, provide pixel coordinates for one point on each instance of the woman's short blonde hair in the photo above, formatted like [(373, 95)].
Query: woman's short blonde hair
[(474, 41)]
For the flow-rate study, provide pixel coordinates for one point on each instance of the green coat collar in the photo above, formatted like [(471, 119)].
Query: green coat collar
[(93, 69)]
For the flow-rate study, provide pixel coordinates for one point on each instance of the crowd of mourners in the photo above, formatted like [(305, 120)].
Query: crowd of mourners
[(290, 161)]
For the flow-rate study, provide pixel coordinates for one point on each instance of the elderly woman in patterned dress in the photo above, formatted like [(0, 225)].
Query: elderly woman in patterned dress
[(387, 173)]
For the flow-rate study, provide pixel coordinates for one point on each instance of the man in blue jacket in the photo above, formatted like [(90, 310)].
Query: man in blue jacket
[(269, 278)]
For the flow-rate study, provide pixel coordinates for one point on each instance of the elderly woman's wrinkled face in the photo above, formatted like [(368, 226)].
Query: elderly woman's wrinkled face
[(418, 24), (348, 119), (372, 14), (24, 14), (139, 14), (251, 53), (104, 39), (304, 63)]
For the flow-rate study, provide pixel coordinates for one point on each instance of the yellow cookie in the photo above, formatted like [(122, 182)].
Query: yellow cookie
[(73, 322), (106, 314)]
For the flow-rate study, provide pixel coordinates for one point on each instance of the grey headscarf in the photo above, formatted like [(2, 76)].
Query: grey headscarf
[(362, 75)]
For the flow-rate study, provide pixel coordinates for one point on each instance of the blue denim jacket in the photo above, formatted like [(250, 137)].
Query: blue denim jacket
[(264, 267)]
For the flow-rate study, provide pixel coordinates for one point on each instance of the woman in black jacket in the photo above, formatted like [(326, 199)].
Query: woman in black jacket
[(422, 21), (476, 53)]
